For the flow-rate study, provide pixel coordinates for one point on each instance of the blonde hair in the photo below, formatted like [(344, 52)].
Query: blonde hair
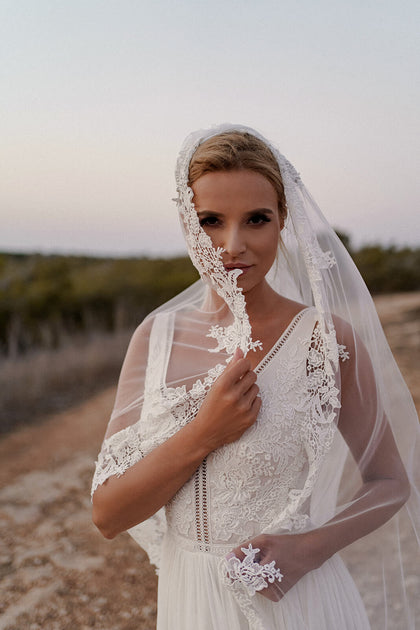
[(235, 150)]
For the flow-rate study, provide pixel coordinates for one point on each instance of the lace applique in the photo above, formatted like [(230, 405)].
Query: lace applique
[(343, 352), (319, 407), (251, 575), (166, 410), (118, 453)]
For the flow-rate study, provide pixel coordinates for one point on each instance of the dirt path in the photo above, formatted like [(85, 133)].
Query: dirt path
[(56, 571)]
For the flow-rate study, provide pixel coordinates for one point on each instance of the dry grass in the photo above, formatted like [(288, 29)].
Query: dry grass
[(50, 380)]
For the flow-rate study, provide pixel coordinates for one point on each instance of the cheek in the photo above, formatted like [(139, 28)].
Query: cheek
[(215, 236), (270, 244)]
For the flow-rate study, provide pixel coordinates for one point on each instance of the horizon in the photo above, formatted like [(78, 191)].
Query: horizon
[(100, 254), (98, 97)]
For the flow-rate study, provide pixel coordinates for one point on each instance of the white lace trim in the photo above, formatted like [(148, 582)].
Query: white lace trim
[(118, 453), (281, 341), (208, 262), (251, 575)]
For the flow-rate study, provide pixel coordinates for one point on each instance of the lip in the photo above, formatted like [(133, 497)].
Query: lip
[(241, 267)]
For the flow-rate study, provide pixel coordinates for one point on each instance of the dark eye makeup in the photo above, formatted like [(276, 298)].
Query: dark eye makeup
[(258, 218), (255, 218), (210, 220)]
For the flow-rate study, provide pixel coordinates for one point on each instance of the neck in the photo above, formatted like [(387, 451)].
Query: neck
[(259, 301)]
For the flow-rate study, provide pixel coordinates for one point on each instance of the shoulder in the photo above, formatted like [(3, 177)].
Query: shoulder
[(289, 306), (142, 331), (287, 310), (356, 366), (346, 335), (139, 342)]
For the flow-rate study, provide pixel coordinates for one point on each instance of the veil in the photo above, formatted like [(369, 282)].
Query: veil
[(361, 418)]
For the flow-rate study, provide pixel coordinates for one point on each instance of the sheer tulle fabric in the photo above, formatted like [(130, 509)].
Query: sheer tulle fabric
[(333, 399)]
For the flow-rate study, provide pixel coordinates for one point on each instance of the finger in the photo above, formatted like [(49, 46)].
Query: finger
[(272, 592), (246, 382), (236, 552), (249, 397), (277, 590), (238, 354), (256, 406), (235, 371)]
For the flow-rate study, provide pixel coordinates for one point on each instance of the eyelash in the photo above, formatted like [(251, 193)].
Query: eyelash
[(212, 221), (262, 218)]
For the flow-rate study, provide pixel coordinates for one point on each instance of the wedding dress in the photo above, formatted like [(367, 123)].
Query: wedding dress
[(292, 471), (239, 490)]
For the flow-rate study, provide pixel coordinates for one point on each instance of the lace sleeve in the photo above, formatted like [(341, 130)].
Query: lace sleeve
[(119, 452)]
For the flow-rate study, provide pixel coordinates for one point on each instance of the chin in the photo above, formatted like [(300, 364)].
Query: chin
[(248, 286)]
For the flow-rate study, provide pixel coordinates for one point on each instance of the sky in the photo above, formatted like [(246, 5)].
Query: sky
[(98, 95)]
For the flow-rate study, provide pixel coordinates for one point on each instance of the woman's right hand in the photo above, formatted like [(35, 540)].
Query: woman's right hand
[(231, 406)]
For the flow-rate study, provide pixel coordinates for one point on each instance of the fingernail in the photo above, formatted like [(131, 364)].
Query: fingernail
[(230, 555)]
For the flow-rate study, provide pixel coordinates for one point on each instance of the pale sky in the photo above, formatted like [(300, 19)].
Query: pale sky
[(97, 96)]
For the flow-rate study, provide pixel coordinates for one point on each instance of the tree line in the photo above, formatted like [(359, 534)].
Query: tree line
[(46, 299)]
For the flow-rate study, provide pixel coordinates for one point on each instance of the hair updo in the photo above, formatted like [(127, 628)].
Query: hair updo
[(235, 150)]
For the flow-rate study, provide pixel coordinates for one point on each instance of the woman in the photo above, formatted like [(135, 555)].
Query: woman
[(251, 438)]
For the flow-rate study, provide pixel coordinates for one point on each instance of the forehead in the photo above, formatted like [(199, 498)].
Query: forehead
[(244, 188)]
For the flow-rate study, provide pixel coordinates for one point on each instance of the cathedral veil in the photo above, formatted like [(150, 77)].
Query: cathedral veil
[(353, 387)]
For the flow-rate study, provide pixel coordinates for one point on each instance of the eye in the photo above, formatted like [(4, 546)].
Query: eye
[(259, 218), (209, 221)]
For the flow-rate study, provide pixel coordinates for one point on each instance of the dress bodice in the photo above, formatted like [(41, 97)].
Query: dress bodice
[(243, 487), (261, 483)]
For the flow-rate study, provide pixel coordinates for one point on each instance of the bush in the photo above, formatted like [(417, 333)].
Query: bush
[(46, 299)]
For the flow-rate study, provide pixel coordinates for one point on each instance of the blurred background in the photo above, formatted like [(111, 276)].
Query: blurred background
[(97, 97)]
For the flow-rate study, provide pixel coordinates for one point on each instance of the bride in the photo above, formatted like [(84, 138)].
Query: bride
[(261, 424)]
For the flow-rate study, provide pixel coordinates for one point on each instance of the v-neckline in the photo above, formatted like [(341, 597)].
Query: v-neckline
[(265, 361), (280, 341)]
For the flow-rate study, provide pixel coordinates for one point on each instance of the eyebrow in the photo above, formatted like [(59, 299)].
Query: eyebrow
[(247, 214)]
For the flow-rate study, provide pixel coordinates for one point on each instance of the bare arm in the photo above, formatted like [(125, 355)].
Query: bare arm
[(230, 407), (365, 428)]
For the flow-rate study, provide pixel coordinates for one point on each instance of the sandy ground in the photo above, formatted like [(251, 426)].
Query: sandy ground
[(56, 572)]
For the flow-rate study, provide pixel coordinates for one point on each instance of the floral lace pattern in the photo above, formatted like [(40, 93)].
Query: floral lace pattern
[(294, 431), (208, 261), (118, 453), (261, 482), (249, 573)]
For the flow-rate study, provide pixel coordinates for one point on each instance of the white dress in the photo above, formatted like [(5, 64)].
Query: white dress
[(239, 490)]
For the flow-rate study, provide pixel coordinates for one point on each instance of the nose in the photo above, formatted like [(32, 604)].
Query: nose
[(234, 242)]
